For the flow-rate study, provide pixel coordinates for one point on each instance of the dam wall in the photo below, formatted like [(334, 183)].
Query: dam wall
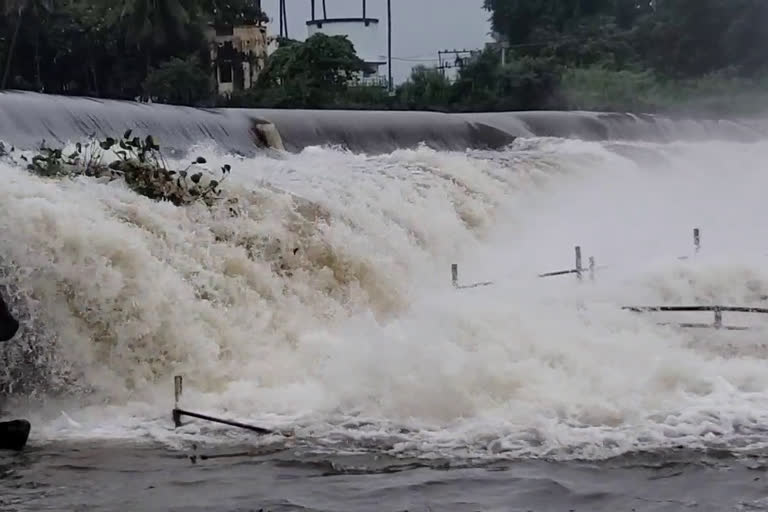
[(28, 118)]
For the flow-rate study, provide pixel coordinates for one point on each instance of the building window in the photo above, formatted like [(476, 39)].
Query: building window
[(225, 72)]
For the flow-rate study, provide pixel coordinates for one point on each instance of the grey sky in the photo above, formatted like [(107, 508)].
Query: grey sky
[(419, 27)]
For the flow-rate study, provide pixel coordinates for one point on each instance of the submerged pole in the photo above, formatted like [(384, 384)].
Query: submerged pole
[(213, 419), (177, 390), (696, 240), (579, 268)]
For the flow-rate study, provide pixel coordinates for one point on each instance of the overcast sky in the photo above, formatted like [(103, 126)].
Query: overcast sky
[(419, 27)]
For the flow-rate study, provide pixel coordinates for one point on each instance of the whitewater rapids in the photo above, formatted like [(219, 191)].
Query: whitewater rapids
[(326, 306)]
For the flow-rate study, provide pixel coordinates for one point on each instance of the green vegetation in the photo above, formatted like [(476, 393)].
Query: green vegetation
[(684, 55), (681, 56), (136, 161), (309, 74)]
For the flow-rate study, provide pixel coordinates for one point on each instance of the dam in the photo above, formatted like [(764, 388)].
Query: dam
[(27, 118), (316, 298)]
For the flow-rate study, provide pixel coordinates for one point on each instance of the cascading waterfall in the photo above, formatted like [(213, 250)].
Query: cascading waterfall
[(324, 303)]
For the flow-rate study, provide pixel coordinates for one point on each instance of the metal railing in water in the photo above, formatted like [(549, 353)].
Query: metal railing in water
[(580, 271)]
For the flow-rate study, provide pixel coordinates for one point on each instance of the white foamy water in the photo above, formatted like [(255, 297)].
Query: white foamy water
[(325, 305)]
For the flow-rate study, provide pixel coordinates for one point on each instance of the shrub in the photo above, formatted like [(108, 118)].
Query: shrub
[(139, 163)]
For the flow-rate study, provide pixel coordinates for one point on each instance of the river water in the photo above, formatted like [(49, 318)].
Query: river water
[(325, 309)]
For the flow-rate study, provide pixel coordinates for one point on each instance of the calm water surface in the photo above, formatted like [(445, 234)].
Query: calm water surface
[(125, 477)]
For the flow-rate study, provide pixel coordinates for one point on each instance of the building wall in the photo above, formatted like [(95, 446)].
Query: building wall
[(239, 54)]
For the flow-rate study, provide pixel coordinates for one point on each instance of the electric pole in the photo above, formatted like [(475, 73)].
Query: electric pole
[(389, 41)]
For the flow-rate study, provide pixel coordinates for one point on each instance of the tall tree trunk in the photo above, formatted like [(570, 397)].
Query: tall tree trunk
[(91, 71), (95, 79), (146, 74), (38, 78), (12, 49)]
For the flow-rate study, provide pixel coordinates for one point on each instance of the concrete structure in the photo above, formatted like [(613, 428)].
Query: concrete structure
[(239, 53)]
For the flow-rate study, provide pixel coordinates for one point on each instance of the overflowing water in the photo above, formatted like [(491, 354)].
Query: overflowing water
[(317, 298)]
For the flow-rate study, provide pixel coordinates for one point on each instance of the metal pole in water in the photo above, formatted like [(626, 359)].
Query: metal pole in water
[(579, 268), (177, 390), (455, 275), (696, 240)]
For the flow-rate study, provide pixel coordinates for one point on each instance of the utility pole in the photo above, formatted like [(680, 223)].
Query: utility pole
[(284, 18), (389, 42), (444, 63)]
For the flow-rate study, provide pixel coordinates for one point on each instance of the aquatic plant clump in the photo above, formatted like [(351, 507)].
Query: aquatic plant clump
[(138, 162)]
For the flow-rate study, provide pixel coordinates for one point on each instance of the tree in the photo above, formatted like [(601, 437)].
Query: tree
[(426, 88), (19, 7), (311, 73), (179, 81), (150, 24), (233, 12), (522, 21), (523, 83)]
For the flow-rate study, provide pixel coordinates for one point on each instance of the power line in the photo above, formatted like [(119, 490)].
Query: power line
[(459, 61), (406, 59)]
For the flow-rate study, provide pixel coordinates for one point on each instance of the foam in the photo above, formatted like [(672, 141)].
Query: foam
[(363, 342)]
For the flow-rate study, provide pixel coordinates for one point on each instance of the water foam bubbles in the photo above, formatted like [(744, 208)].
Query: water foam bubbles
[(325, 305)]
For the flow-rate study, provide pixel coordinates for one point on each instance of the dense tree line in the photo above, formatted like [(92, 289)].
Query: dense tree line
[(666, 51), (613, 54), (704, 55), (106, 48), (681, 38)]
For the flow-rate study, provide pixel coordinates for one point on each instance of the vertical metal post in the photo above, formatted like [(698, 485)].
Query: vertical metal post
[(312, 3), (389, 42), (696, 240), (285, 19), (718, 319), (364, 9), (579, 268), (177, 390), (325, 11), (455, 275), (591, 268)]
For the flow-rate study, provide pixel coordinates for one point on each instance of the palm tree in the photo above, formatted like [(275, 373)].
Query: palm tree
[(153, 23), (19, 7)]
